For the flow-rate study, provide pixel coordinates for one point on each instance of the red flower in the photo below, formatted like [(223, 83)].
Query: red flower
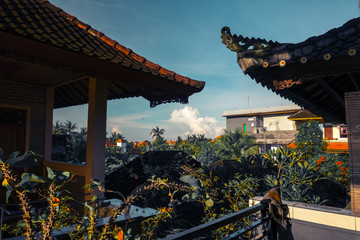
[(339, 163)]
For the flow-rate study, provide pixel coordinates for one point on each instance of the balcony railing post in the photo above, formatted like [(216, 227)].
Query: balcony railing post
[(1, 220), (274, 229)]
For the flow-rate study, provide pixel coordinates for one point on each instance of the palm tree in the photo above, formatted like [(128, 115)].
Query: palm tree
[(83, 131), (116, 136), (235, 144), (69, 127), (58, 128), (156, 132)]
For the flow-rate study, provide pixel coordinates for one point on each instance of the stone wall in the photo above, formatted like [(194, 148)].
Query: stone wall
[(275, 137)]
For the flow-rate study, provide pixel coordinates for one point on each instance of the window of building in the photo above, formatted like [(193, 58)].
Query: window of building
[(244, 128), (343, 132)]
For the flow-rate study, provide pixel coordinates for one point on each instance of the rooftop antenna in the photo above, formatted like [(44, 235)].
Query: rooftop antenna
[(249, 96)]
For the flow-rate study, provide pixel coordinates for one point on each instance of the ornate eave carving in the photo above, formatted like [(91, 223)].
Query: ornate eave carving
[(280, 85), (242, 44), (158, 101)]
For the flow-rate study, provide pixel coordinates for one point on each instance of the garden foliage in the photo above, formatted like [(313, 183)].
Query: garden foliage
[(224, 174)]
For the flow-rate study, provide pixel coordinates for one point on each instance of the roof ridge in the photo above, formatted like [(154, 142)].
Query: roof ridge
[(119, 47)]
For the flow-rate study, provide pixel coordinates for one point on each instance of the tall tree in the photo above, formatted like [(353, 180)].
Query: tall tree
[(58, 128), (157, 132), (69, 127), (309, 139), (116, 136)]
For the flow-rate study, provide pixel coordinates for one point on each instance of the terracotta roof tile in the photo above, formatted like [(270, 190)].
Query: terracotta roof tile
[(123, 49), (108, 40), (42, 21), (137, 57), (152, 65), (180, 78), (166, 72)]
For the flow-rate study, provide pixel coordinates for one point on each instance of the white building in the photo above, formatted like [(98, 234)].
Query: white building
[(270, 125)]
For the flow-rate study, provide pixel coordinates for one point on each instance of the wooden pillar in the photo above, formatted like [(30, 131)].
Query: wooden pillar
[(352, 106), (95, 149), (49, 122)]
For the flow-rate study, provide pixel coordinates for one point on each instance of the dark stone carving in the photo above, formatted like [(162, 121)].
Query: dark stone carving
[(233, 42)]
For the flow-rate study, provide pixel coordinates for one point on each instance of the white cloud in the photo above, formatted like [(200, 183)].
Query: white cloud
[(116, 129), (198, 125)]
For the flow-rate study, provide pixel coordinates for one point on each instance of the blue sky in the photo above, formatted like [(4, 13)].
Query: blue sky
[(184, 36)]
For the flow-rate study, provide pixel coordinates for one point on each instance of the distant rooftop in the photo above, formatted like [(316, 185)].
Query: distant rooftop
[(265, 110), (303, 115)]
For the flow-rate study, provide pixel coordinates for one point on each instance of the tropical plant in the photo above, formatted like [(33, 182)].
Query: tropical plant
[(234, 144), (69, 127), (157, 132), (44, 221), (114, 136), (58, 212), (219, 196), (295, 176)]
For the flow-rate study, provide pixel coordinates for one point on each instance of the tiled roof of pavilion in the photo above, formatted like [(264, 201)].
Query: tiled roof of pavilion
[(41, 21), (314, 73), (303, 114)]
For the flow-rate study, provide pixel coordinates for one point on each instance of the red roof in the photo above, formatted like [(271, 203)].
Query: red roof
[(108, 143), (331, 147), (337, 147), (121, 140)]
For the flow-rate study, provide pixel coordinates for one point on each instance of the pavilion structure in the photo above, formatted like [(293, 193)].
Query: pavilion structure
[(321, 74), (49, 59)]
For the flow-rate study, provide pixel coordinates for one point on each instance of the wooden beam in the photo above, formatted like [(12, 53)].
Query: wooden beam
[(352, 100), (49, 122), (331, 91), (356, 85), (312, 106), (71, 81)]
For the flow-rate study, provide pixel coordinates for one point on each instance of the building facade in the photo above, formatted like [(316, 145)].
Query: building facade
[(270, 125)]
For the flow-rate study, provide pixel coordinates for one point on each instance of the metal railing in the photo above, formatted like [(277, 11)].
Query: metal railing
[(262, 226), (265, 227)]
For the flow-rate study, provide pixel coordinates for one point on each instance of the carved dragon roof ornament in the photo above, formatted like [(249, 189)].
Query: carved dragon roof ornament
[(233, 42), (255, 52)]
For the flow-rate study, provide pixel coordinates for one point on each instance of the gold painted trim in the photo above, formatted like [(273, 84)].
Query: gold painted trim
[(312, 118)]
